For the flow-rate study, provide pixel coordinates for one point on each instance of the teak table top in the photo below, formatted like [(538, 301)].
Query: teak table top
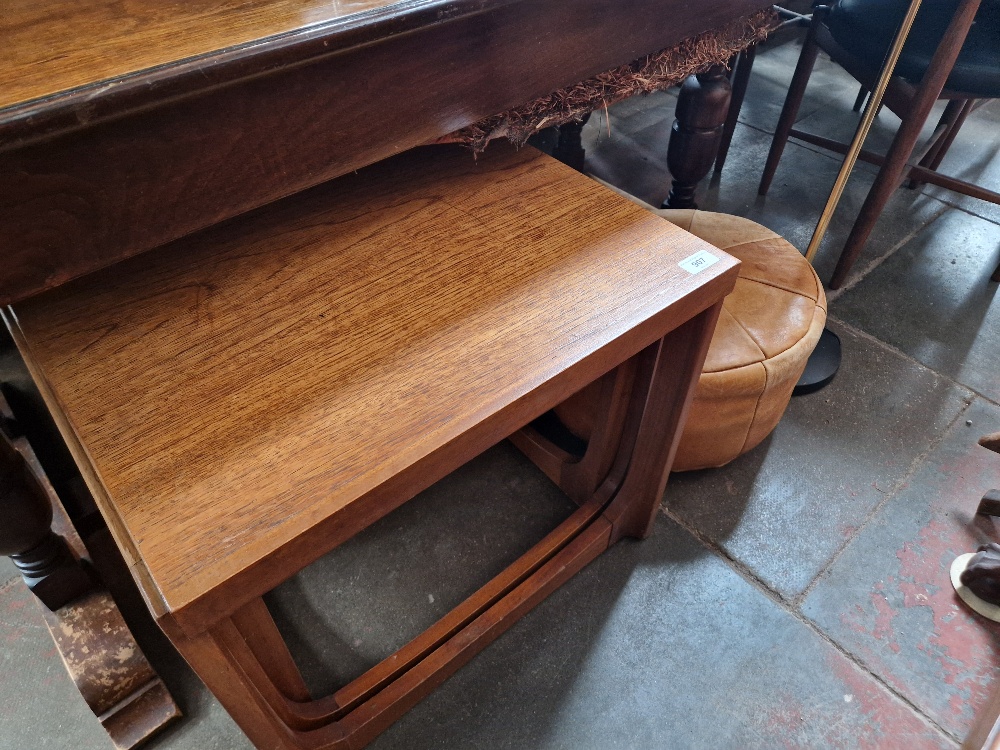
[(238, 389)]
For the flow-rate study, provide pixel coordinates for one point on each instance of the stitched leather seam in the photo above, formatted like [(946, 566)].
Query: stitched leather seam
[(744, 243), (740, 324), (799, 340), (782, 288), (756, 407)]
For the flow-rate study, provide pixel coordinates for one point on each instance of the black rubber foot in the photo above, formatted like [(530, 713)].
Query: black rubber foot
[(822, 365)]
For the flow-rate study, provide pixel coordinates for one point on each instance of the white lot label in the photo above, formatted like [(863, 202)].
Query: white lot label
[(698, 262)]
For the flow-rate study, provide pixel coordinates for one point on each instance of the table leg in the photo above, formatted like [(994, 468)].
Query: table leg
[(95, 643), (242, 657), (43, 558), (702, 108), (676, 371)]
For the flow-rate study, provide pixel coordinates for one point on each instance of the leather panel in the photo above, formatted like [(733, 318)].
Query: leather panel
[(773, 262), (720, 418), (774, 318), (731, 345), (783, 372)]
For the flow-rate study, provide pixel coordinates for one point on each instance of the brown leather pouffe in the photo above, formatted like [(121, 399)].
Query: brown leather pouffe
[(769, 325)]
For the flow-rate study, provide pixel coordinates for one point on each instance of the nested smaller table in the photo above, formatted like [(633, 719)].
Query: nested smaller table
[(244, 400)]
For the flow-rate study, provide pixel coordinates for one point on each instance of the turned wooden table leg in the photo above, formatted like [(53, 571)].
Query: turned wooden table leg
[(51, 571), (701, 113), (96, 646)]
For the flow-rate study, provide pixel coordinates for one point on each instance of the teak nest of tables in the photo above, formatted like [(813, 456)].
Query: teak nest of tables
[(244, 400)]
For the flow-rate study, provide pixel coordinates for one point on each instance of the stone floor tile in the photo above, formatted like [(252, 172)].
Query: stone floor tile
[(39, 705), (934, 300), (888, 599), (7, 571), (659, 644), (373, 594), (786, 507)]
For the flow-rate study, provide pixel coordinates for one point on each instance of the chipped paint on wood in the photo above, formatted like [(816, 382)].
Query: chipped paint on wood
[(99, 652)]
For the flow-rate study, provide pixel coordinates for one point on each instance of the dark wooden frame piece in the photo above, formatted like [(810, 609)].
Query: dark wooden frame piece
[(102, 173)]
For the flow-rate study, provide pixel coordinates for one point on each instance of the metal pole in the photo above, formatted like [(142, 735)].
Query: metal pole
[(874, 102)]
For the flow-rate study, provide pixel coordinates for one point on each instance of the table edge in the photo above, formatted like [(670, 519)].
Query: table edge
[(88, 105)]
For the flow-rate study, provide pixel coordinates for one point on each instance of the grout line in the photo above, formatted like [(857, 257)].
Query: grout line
[(891, 493), (995, 400), (835, 294), (9, 584), (747, 574)]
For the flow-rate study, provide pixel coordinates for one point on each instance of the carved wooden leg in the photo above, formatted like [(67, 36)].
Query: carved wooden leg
[(44, 559), (569, 150), (96, 646), (694, 141)]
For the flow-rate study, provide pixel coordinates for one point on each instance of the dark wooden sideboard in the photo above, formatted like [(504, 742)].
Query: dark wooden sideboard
[(126, 125)]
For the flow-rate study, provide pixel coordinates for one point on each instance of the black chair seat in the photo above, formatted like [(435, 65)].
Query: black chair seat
[(866, 28)]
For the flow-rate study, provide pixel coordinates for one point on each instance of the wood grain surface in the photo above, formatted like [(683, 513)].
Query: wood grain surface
[(52, 46), (251, 396), (96, 174)]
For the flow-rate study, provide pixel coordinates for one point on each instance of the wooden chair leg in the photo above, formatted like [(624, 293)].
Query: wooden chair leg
[(893, 171), (793, 100), (740, 80), (954, 117), (951, 122)]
